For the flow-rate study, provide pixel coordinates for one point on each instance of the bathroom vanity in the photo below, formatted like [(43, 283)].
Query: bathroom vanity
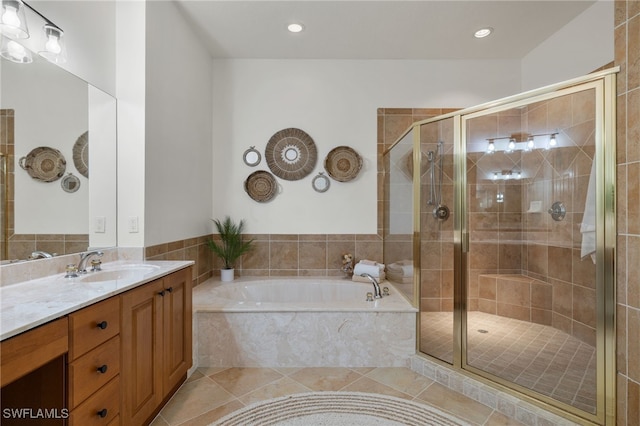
[(110, 350)]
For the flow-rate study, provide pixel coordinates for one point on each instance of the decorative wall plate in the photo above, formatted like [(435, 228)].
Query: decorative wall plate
[(70, 183), (252, 157), (321, 183), (261, 186), (291, 154), (44, 163), (81, 154), (343, 163)]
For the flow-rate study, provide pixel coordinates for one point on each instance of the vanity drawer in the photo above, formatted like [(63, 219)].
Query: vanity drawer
[(93, 325), (86, 373), (100, 409)]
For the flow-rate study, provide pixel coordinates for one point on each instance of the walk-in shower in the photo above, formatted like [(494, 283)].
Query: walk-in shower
[(516, 285)]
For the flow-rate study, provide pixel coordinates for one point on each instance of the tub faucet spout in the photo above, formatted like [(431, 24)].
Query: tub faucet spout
[(376, 287), (84, 258)]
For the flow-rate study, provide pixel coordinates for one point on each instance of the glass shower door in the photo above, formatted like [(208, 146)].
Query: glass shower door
[(532, 311), (436, 240)]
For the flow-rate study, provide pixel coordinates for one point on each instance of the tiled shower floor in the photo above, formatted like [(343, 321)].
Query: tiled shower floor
[(535, 356)]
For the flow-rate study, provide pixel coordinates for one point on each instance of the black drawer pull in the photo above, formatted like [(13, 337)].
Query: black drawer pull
[(102, 325), (103, 413), (102, 369), (170, 289), (161, 293)]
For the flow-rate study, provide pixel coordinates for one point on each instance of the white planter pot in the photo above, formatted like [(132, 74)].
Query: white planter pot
[(226, 274)]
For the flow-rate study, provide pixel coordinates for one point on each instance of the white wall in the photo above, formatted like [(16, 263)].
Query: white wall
[(90, 35), (130, 83), (50, 110), (335, 102), (178, 170), (580, 47)]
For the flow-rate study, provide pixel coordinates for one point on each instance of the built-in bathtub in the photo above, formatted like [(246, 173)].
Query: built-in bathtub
[(300, 322)]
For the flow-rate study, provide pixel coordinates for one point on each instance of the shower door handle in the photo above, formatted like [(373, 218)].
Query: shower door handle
[(465, 242)]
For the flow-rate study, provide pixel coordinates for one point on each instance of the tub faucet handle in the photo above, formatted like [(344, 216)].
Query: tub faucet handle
[(369, 297)]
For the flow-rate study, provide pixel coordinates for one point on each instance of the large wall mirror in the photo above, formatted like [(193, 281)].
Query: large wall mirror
[(57, 163)]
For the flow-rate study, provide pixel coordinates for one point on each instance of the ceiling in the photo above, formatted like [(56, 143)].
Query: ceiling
[(392, 29)]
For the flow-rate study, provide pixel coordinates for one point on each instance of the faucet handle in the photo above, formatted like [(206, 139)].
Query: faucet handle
[(385, 291), (369, 297), (71, 271), (95, 265)]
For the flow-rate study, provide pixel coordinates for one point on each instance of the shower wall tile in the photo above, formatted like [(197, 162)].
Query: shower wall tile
[(633, 344), (621, 333), (633, 272), (633, 125), (633, 52), (584, 306), (633, 198), (558, 259)]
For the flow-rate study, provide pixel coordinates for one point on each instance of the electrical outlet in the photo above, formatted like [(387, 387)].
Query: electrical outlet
[(99, 225), (133, 224)]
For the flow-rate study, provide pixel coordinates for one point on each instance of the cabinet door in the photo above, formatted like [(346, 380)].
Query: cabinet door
[(141, 366), (177, 327)]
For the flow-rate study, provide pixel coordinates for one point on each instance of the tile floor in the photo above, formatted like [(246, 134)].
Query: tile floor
[(535, 356), (211, 393)]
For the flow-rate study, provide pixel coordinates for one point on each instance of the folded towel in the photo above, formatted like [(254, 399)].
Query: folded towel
[(368, 262), (401, 268), (399, 278), (359, 279), (373, 270), (588, 225)]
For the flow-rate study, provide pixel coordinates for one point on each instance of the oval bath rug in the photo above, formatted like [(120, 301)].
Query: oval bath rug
[(338, 408)]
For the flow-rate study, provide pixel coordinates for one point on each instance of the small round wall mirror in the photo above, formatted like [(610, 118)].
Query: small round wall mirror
[(252, 157), (321, 182), (70, 183)]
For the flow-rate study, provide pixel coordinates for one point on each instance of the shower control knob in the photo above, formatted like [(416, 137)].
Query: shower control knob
[(441, 212)]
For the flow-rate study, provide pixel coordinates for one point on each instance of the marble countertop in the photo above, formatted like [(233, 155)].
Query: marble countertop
[(26, 305)]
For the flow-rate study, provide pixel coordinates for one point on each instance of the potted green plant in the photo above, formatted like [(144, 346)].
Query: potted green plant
[(231, 245)]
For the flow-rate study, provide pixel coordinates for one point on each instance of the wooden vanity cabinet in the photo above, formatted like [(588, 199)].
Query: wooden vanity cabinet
[(156, 344), (94, 364)]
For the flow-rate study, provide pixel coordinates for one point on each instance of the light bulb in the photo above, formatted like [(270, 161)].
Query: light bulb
[(553, 141), (519, 175), (491, 147), (295, 28), (52, 45), (16, 50), (10, 16), (512, 145), (530, 143), (495, 176)]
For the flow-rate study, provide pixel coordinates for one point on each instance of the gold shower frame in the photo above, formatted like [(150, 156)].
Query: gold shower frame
[(604, 84)]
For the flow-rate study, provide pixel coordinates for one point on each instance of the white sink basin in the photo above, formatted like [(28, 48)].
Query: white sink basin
[(123, 272)]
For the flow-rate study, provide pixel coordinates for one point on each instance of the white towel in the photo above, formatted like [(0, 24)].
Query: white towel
[(402, 268), (359, 279), (588, 225), (373, 270)]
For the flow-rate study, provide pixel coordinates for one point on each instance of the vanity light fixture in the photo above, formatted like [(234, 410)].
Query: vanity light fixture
[(15, 52), (54, 49), (295, 28), (491, 147), (13, 24), (483, 32)]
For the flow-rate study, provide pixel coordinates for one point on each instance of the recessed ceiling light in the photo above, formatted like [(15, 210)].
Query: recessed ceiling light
[(295, 28), (483, 32)]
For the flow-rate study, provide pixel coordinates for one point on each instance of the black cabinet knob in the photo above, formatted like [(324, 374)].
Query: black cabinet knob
[(102, 325), (170, 289), (103, 413), (102, 369), (161, 293)]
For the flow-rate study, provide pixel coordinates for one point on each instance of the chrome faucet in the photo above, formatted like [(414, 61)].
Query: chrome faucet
[(41, 254), (376, 286), (84, 258)]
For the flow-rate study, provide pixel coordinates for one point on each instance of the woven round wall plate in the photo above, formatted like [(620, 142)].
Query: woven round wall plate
[(81, 154), (44, 163), (291, 154), (343, 163), (261, 186)]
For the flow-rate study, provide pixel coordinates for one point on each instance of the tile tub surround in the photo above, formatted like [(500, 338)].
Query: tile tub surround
[(28, 304), (627, 56), (299, 337)]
